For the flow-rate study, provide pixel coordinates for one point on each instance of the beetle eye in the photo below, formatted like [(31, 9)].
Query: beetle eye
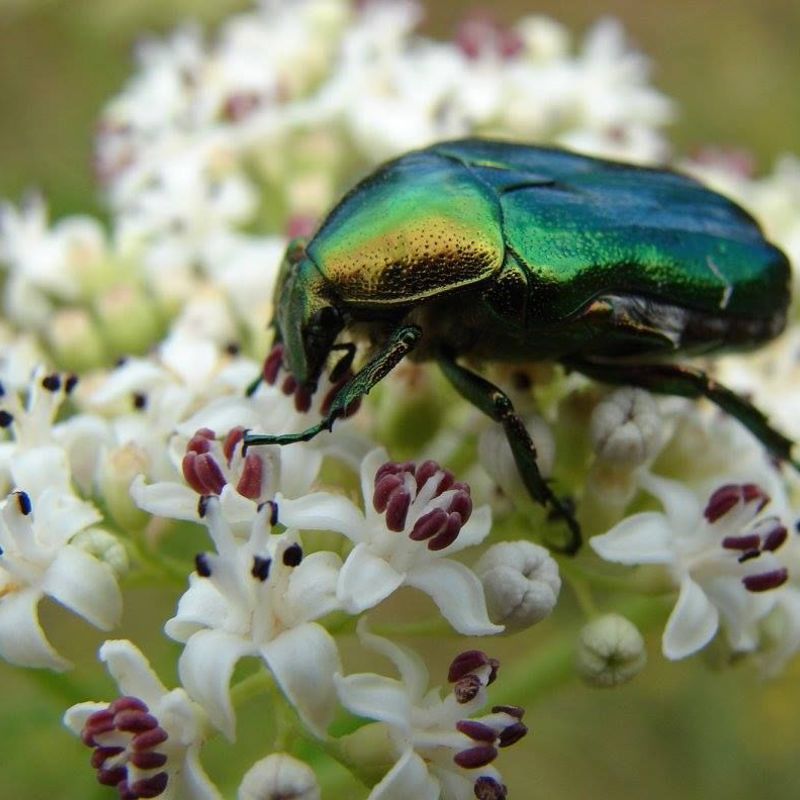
[(327, 317)]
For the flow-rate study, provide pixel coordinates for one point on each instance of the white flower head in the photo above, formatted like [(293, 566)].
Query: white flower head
[(626, 427), (38, 558), (147, 741), (279, 776), (442, 749), (725, 557), (258, 597), (414, 517)]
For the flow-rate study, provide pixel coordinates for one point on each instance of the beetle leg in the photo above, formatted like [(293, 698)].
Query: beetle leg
[(399, 344), (496, 404), (690, 382)]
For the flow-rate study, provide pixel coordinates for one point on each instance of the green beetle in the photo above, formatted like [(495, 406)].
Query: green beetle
[(508, 252)]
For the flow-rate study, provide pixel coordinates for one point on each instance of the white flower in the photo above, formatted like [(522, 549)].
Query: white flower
[(258, 597), (146, 742), (722, 556), (521, 582), (279, 776), (611, 651), (442, 751), (414, 518), (626, 427), (37, 558)]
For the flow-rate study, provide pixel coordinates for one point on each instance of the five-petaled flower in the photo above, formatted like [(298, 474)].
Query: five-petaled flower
[(415, 516)]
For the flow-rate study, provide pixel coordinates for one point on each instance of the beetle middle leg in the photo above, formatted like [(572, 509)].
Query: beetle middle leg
[(685, 381), (397, 346), (496, 404)]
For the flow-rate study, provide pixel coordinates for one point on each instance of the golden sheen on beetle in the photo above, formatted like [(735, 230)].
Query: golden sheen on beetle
[(508, 252)]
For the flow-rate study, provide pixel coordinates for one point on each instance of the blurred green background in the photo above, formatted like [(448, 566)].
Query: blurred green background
[(681, 730)]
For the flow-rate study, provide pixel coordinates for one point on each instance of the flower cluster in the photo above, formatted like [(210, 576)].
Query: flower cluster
[(135, 358)]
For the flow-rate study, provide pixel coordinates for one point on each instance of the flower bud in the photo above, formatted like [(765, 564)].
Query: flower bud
[(127, 319), (521, 583), (626, 428), (369, 751), (611, 651), (544, 39), (279, 776), (115, 475), (76, 342), (105, 547)]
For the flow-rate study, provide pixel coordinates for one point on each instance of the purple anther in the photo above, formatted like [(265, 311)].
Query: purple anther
[(209, 473), (147, 739), (461, 504), (302, 399), (447, 481), (23, 502), (5, 419), (260, 568), (397, 509), (748, 555), (447, 535), (749, 542), (487, 788), (51, 382), (293, 555), (273, 364), (466, 663), (425, 471), (70, 383), (101, 754), (476, 730), (232, 439), (429, 525), (771, 540), (134, 721), (513, 711), (112, 777), (289, 385), (148, 760), (476, 757), (729, 495), (467, 689), (139, 401), (764, 581), (201, 441), (146, 788), (512, 734), (249, 484), (384, 487), (202, 566)]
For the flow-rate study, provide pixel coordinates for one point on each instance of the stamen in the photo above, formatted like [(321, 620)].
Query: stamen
[(448, 535), (512, 734), (476, 730), (513, 711), (139, 401), (260, 569), (397, 509), (202, 566), (23, 502), (70, 383), (467, 689), (235, 435), (764, 581), (487, 788), (52, 382), (748, 542), (208, 473), (249, 484), (293, 555), (729, 495), (5, 418), (273, 364), (475, 757), (384, 486), (289, 385), (302, 399), (466, 663), (428, 525)]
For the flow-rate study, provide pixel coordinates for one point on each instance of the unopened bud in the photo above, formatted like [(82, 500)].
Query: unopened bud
[(279, 776), (76, 342), (105, 547), (611, 651), (127, 319), (521, 583), (543, 38), (370, 751), (626, 428), (115, 475)]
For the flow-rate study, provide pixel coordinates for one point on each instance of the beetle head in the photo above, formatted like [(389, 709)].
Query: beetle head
[(307, 320)]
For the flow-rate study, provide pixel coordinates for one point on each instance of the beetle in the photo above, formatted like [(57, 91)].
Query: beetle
[(497, 251)]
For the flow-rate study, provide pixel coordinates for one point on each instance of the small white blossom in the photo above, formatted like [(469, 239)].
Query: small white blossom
[(442, 750), (38, 557), (279, 776), (146, 742), (725, 558), (414, 518), (626, 427), (521, 583), (611, 651), (258, 597)]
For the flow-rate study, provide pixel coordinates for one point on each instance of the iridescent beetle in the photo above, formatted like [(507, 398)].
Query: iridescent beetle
[(505, 252)]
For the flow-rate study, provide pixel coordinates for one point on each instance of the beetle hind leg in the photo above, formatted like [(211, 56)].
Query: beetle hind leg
[(496, 404), (685, 381)]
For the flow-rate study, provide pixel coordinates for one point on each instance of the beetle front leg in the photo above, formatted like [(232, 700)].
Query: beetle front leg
[(400, 343), (496, 404), (683, 381)]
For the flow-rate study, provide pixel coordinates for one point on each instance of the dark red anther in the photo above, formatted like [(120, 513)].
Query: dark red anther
[(250, 481), (273, 364), (466, 663), (476, 757), (425, 471), (385, 485), (461, 504), (467, 689), (749, 542), (189, 474), (149, 760), (101, 754), (495, 665), (148, 739), (487, 788), (209, 474), (397, 509), (446, 482), (727, 496), (234, 436), (302, 399), (477, 731), (201, 441), (149, 787), (428, 525), (134, 721), (772, 532), (289, 385), (111, 777), (448, 534), (764, 581), (512, 734)]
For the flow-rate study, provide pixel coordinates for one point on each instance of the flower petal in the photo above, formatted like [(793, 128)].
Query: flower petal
[(409, 777), (165, 499), (304, 660), (322, 511), (200, 606), (365, 580), (205, 669), (473, 533), (680, 503), (84, 585), (75, 717), (41, 468), (644, 538), (312, 586), (376, 697), (22, 640), (132, 671), (692, 623), (190, 781), (458, 592)]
